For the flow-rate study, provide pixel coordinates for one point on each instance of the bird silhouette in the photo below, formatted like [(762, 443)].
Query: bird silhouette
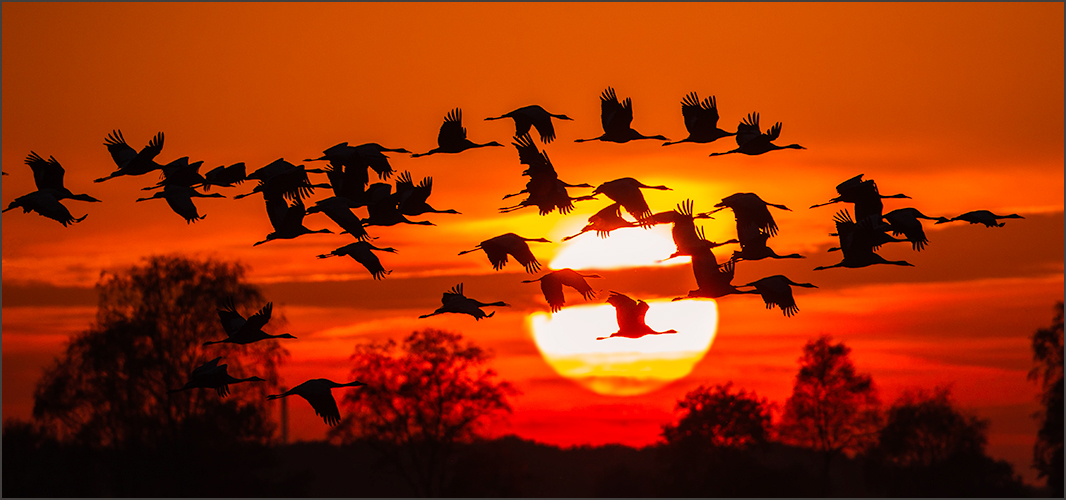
[(340, 211), (245, 331), (605, 221), (985, 217), (129, 160), (753, 246), (748, 208), (712, 280), (630, 315), (318, 392), (383, 207), (288, 220), (179, 173), (751, 141), (551, 285), (863, 194), (626, 191), (452, 136), (282, 180), (701, 120), (857, 242), (212, 375), (905, 221), (44, 202), (180, 200), (361, 252), (545, 190), (683, 228), (224, 176), (616, 118), (776, 290), (499, 247), (356, 159), (535, 116), (48, 175), (412, 198), (454, 301)]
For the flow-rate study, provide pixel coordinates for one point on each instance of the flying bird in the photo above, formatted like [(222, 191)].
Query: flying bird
[(361, 252), (905, 221), (453, 301), (340, 211), (545, 190), (224, 176), (776, 290), (45, 204), (857, 242), (212, 375), (683, 228), (282, 180), (129, 160), (499, 247), (318, 393), (748, 208), (865, 196), (180, 200), (751, 141), (985, 217), (753, 246), (383, 207), (630, 315), (551, 285), (452, 136), (48, 175), (701, 120), (626, 191), (180, 173), (245, 331), (356, 159), (616, 118), (287, 220), (535, 116), (712, 280), (605, 221), (411, 199)]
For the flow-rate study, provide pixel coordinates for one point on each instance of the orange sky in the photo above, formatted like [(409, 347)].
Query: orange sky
[(958, 106)]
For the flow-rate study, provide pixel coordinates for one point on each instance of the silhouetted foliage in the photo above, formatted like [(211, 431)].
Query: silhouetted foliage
[(1048, 354), (832, 409), (929, 448), (110, 386), (425, 396)]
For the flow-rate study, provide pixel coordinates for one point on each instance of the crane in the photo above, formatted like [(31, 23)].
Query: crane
[(751, 141), (535, 116), (498, 248), (551, 285), (630, 316), (319, 393), (701, 120), (361, 252), (245, 331), (452, 136), (616, 118), (453, 301), (776, 290), (212, 375)]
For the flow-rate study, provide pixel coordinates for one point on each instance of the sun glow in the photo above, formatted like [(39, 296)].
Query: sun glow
[(628, 247), (624, 366)]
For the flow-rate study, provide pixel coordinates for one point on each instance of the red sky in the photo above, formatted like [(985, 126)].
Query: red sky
[(958, 106)]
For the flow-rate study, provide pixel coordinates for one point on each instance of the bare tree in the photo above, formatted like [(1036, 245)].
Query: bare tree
[(110, 386), (1048, 354), (421, 399)]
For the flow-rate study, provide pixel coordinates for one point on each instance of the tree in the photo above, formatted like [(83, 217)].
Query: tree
[(421, 399), (930, 448), (832, 409), (1048, 354), (109, 389)]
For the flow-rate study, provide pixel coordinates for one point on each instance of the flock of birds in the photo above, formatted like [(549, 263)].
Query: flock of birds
[(285, 186)]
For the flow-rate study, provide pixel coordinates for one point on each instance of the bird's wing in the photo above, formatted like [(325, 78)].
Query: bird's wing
[(206, 368), (47, 174), (154, 147), (258, 320), (232, 321), (404, 182), (325, 406), (614, 116), (748, 129), (774, 131), (452, 130), (553, 293), (120, 151), (699, 117)]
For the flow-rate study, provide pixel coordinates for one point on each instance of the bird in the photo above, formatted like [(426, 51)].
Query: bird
[(699, 244), (616, 118), (701, 120), (865, 196), (545, 190), (452, 136), (340, 211), (356, 159), (129, 160), (224, 176), (318, 392), (712, 280), (683, 228), (630, 315), (776, 291), (383, 207), (535, 116), (245, 331), (905, 221), (48, 174), (287, 220), (751, 141), (282, 180), (985, 217), (453, 301), (412, 198), (605, 221), (212, 375), (180, 173), (857, 243), (180, 200), (753, 244), (497, 249), (626, 191), (551, 285), (374, 155), (361, 252), (44, 202), (748, 208)]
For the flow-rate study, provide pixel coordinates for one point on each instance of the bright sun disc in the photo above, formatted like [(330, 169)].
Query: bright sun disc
[(623, 366), (628, 247)]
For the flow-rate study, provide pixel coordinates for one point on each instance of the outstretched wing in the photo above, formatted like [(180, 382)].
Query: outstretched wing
[(452, 130), (615, 116), (47, 174), (258, 320), (120, 151), (232, 321)]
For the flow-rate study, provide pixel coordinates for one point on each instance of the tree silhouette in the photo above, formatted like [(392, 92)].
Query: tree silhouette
[(929, 448), (1047, 354), (832, 409), (421, 399), (110, 386)]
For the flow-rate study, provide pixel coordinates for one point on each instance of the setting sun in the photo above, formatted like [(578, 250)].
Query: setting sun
[(630, 247)]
